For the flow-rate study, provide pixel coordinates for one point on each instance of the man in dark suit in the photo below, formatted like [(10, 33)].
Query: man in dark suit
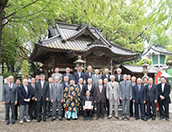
[(37, 79), (27, 77), (70, 76), (139, 98), (152, 97), (41, 96), (87, 111), (106, 75), (163, 98), (100, 99), (133, 82), (81, 89), (32, 104), (107, 101), (88, 74), (10, 95), (145, 83), (49, 104), (18, 82), (24, 99), (79, 74), (118, 76)]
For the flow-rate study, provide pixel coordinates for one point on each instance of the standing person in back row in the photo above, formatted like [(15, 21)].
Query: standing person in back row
[(41, 96), (118, 76), (88, 74), (79, 74), (164, 98), (95, 78), (125, 95), (10, 95), (57, 74)]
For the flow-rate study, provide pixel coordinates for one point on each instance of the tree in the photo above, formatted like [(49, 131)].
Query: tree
[(141, 62), (25, 68)]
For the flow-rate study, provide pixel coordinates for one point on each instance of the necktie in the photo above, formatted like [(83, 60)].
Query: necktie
[(139, 88), (149, 87), (10, 86), (78, 75), (125, 83), (100, 89)]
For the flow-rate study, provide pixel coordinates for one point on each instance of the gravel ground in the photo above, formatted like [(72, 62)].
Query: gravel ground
[(104, 125)]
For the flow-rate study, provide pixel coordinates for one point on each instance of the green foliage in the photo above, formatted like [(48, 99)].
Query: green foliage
[(25, 68), (7, 74), (141, 62)]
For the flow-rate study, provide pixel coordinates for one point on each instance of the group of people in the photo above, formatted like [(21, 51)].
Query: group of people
[(84, 94)]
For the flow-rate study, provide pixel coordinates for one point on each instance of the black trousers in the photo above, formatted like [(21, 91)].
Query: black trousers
[(33, 109), (88, 113), (149, 105), (7, 110), (80, 112), (49, 113), (100, 109), (41, 104), (164, 112), (106, 107), (131, 107), (16, 110), (141, 109)]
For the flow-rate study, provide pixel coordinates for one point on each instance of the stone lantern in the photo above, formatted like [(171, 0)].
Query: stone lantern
[(145, 69), (80, 62)]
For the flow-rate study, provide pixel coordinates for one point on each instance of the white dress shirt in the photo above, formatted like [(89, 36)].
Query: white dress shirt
[(163, 85), (89, 87), (42, 84)]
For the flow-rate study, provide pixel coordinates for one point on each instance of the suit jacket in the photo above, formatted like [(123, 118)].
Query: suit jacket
[(70, 77), (10, 96), (166, 93), (85, 99), (125, 91), (23, 95), (139, 95), (104, 76), (87, 76), (100, 96), (116, 78), (32, 89), (151, 94), (76, 77), (96, 79), (56, 93), (110, 90), (64, 85), (81, 91), (39, 91), (91, 91)]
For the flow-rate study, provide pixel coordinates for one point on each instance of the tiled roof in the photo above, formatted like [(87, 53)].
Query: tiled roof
[(62, 39)]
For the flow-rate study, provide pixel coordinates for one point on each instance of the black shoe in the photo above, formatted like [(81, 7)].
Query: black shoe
[(161, 118), (75, 118), (31, 118), (147, 118), (44, 120), (93, 115), (144, 119), (7, 123), (53, 119), (13, 122), (109, 117), (85, 118), (68, 119), (117, 118), (167, 118), (38, 120), (153, 118), (90, 118), (136, 118), (131, 115), (60, 118), (97, 118)]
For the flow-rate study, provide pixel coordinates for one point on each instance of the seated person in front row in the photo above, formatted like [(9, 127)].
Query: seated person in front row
[(87, 111)]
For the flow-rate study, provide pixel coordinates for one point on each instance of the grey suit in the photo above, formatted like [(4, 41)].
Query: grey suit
[(95, 79), (125, 92), (10, 96), (112, 92), (56, 95), (58, 75)]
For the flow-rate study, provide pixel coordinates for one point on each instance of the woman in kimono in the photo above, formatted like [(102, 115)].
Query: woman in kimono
[(71, 98)]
